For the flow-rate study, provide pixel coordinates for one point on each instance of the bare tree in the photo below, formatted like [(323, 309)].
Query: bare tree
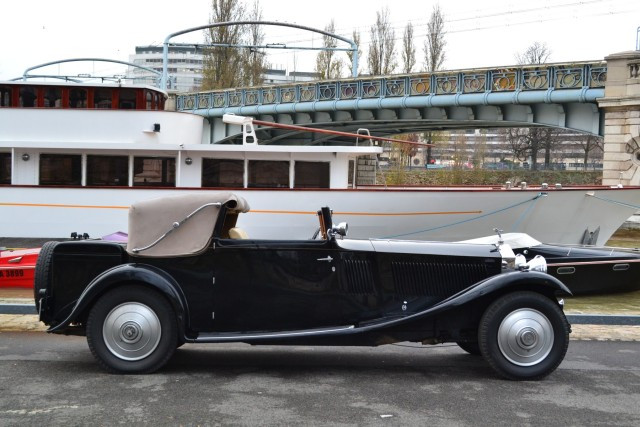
[(434, 54), (328, 65), (528, 142), (356, 39), (221, 64), (537, 53), (408, 49), (254, 58), (435, 43), (381, 57), (589, 144)]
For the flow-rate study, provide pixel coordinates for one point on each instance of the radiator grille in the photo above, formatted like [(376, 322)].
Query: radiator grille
[(439, 279), (359, 277)]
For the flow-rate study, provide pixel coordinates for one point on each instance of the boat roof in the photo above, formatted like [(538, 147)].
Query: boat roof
[(179, 225), (80, 84)]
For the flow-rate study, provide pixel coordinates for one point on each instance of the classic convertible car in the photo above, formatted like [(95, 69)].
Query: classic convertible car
[(189, 275)]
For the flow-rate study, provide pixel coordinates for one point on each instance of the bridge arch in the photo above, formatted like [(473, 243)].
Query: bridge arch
[(167, 41)]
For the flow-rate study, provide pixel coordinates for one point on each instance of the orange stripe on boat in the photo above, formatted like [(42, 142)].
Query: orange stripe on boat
[(367, 213), (53, 205), (261, 211)]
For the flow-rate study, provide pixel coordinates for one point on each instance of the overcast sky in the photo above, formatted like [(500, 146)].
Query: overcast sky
[(479, 33)]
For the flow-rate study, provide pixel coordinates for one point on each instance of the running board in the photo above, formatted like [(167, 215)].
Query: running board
[(235, 337)]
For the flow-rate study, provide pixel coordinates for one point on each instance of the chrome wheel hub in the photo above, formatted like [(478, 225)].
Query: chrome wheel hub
[(525, 337), (131, 331)]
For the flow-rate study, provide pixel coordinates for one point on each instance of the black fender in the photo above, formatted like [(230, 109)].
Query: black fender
[(139, 273), (495, 285)]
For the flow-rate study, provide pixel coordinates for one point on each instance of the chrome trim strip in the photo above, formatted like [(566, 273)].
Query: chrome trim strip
[(268, 335)]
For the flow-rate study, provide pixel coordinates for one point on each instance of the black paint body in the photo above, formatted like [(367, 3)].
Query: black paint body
[(294, 292)]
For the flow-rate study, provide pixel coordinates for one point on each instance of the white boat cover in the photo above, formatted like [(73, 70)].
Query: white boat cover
[(515, 240), (149, 220)]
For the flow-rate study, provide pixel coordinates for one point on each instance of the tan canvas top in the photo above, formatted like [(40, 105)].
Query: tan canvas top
[(150, 220)]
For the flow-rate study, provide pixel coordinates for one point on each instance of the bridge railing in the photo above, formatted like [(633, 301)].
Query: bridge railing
[(503, 79)]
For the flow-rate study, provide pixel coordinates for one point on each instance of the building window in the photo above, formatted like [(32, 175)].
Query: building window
[(268, 174), (77, 98), (311, 175), (60, 169), (154, 172), (102, 98), (5, 168), (28, 96), (108, 170), (222, 173), (53, 97), (127, 99), (5, 96)]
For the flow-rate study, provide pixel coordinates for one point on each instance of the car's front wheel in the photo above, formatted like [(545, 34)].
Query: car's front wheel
[(132, 329), (523, 336)]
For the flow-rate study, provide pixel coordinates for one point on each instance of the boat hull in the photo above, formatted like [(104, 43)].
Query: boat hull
[(555, 216), (587, 271), (17, 268)]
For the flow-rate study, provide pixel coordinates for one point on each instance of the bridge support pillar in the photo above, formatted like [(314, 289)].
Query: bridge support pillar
[(621, 106)]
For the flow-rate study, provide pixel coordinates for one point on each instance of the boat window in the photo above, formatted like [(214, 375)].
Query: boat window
[(78, 98), (352, 166), (268, 174), (222, 173), (53, 97), (5, 168), (102, 98), (28, 96), (127, 99), (5, 96), (60, 169), (154, 171), (108, 170), (149, 100), (311, 175)]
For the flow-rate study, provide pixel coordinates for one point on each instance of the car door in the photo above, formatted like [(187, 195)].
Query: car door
[(263, 285)]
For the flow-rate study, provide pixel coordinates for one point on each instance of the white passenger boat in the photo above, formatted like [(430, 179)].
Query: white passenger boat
[(74, 157)]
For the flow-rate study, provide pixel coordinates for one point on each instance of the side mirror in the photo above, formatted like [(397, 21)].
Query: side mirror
[(340, 229)]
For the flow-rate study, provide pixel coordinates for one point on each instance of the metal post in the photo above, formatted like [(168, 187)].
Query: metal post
[(354, 60), (165, 64)]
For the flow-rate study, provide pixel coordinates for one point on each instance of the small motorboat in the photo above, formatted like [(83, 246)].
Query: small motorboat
[(17, 267), (583, 269)]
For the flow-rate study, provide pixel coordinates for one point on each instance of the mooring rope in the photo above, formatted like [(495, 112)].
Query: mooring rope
[(526, 212), (533, 199), (604, 199)]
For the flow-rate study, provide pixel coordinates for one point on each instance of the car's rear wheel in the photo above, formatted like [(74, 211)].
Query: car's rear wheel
[(523, 336), (132, 329)]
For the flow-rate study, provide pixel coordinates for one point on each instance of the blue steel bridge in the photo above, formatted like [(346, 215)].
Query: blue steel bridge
[(559, 95)]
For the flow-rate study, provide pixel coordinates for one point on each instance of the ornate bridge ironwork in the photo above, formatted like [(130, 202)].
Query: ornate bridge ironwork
[(561, 94)]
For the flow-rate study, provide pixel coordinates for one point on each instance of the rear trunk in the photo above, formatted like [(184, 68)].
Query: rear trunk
[(65, 269)]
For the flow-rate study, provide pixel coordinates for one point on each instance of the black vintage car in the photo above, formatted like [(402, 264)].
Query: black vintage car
[(188, 275)]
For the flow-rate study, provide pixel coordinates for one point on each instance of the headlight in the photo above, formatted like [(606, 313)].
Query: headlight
[(538, 263)]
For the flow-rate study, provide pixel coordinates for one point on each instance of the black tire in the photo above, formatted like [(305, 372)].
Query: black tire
[(524, 336), (132, 330), (42, 275), (472, 348)]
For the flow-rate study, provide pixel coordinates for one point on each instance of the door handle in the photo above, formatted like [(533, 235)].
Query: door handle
[(328, 259)]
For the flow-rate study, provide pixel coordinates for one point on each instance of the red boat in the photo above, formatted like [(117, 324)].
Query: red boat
[(17, 267)]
